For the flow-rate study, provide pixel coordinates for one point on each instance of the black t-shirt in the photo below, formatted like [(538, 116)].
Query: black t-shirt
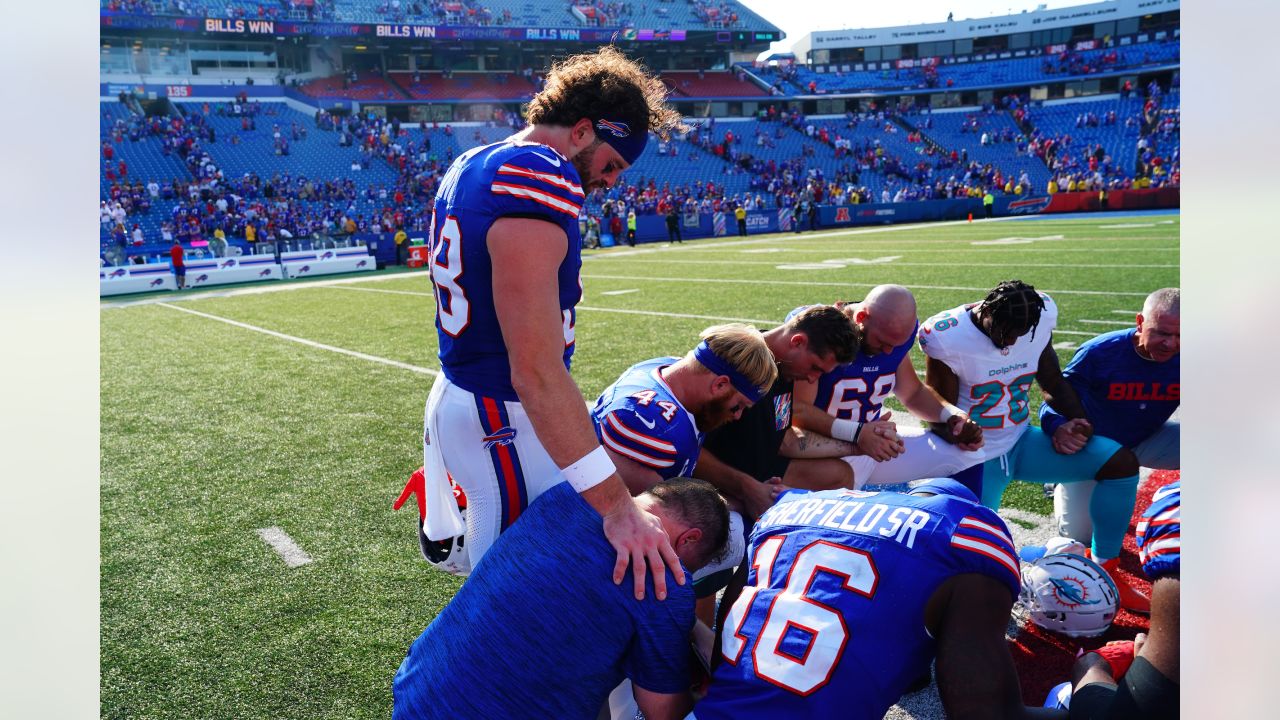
[(751, 443)]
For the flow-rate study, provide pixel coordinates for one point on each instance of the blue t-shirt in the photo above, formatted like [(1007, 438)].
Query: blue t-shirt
[(506, 179), (857, 390), (1160, 533), (1126, 396), (640, 418), (539, 630), (832, 621)]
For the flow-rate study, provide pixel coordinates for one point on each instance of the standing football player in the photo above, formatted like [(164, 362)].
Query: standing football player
[(848, 402), (851, 595), (504, 419), (1129, 383), (985, 356)]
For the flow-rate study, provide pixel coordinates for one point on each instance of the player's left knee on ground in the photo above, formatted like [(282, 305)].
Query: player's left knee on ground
[(1122, 464)]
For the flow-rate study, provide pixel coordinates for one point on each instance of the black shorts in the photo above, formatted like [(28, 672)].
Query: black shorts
[(1144, 693), (750, 443)]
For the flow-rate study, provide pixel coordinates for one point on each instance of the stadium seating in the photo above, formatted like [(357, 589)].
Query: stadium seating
[(710, 84), (660, 15), (954, 73), (962, 132), (367, 85), (470, 86)]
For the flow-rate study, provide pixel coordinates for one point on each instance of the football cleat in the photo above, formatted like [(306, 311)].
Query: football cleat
[(1131, 598), (1069, 594)]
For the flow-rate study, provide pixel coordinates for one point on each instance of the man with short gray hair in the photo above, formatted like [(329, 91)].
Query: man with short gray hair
[(1129, 384)]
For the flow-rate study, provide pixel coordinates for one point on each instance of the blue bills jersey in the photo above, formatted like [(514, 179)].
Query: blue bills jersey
[(1160, 533), (1126, 396), (857, 390), (831, 623), (506, 179), (640, 418)]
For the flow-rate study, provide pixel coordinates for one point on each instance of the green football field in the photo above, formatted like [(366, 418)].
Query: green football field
[(299, 407)]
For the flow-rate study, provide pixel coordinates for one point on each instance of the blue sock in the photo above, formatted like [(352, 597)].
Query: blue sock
[(1111, 509)]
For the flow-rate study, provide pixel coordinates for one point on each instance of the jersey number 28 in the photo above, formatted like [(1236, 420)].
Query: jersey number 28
[(793, 613)]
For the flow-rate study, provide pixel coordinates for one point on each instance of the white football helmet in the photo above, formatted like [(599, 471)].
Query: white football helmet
[(1069, 594), (448, 555)]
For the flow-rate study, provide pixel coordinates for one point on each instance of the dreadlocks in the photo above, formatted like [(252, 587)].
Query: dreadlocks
[(1013, 305)]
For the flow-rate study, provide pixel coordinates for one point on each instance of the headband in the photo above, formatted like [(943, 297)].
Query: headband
[(620, 137), (716, 364)]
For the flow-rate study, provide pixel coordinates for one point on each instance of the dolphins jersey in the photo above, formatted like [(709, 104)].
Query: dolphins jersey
[(994, 382), (640, 418), (857, 390), (831, 623), (506, 179)]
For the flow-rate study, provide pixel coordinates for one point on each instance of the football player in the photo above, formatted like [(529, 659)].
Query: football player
[(504, 418), (1129, 384), (1141, 679), (652, 421), (744, 457), (848, 402), (985, 357), (851, 596), (539, 631)]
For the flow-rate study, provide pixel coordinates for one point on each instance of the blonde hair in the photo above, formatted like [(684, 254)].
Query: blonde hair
[(743, 347)]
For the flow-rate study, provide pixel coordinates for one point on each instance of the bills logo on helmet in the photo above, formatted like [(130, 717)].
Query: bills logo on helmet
[(618, 129), (504, 436)]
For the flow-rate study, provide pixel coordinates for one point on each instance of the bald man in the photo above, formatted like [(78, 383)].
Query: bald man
[(847, 403)]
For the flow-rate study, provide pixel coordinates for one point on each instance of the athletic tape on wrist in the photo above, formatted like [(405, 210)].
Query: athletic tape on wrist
[(947, 413), (590, 470), (846, 430)]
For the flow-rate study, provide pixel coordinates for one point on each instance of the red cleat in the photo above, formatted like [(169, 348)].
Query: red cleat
[(1130, 598)]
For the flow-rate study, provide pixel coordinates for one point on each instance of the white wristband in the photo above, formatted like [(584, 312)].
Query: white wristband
[(947, 413), (846, 430), (590, 470)]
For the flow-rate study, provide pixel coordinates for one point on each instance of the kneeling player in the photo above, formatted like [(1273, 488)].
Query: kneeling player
[(851, 595), (985, 356), (848, 402), (652, 421)]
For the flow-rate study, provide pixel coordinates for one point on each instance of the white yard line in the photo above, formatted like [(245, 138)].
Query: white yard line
[(1125, 323), (810, 283), (628, 291), (1130, 313), (625, 311), (304, 341), (284, 546), (265, 288), (893, 263)]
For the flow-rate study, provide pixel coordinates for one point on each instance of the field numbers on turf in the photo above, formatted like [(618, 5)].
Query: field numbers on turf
[(1017, 240), (839, 263)]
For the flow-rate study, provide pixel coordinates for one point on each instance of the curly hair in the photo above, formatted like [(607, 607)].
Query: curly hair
[(605, 82), (1013, 306)]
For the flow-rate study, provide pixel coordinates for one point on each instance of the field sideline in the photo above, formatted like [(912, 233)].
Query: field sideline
[(299, 406)]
